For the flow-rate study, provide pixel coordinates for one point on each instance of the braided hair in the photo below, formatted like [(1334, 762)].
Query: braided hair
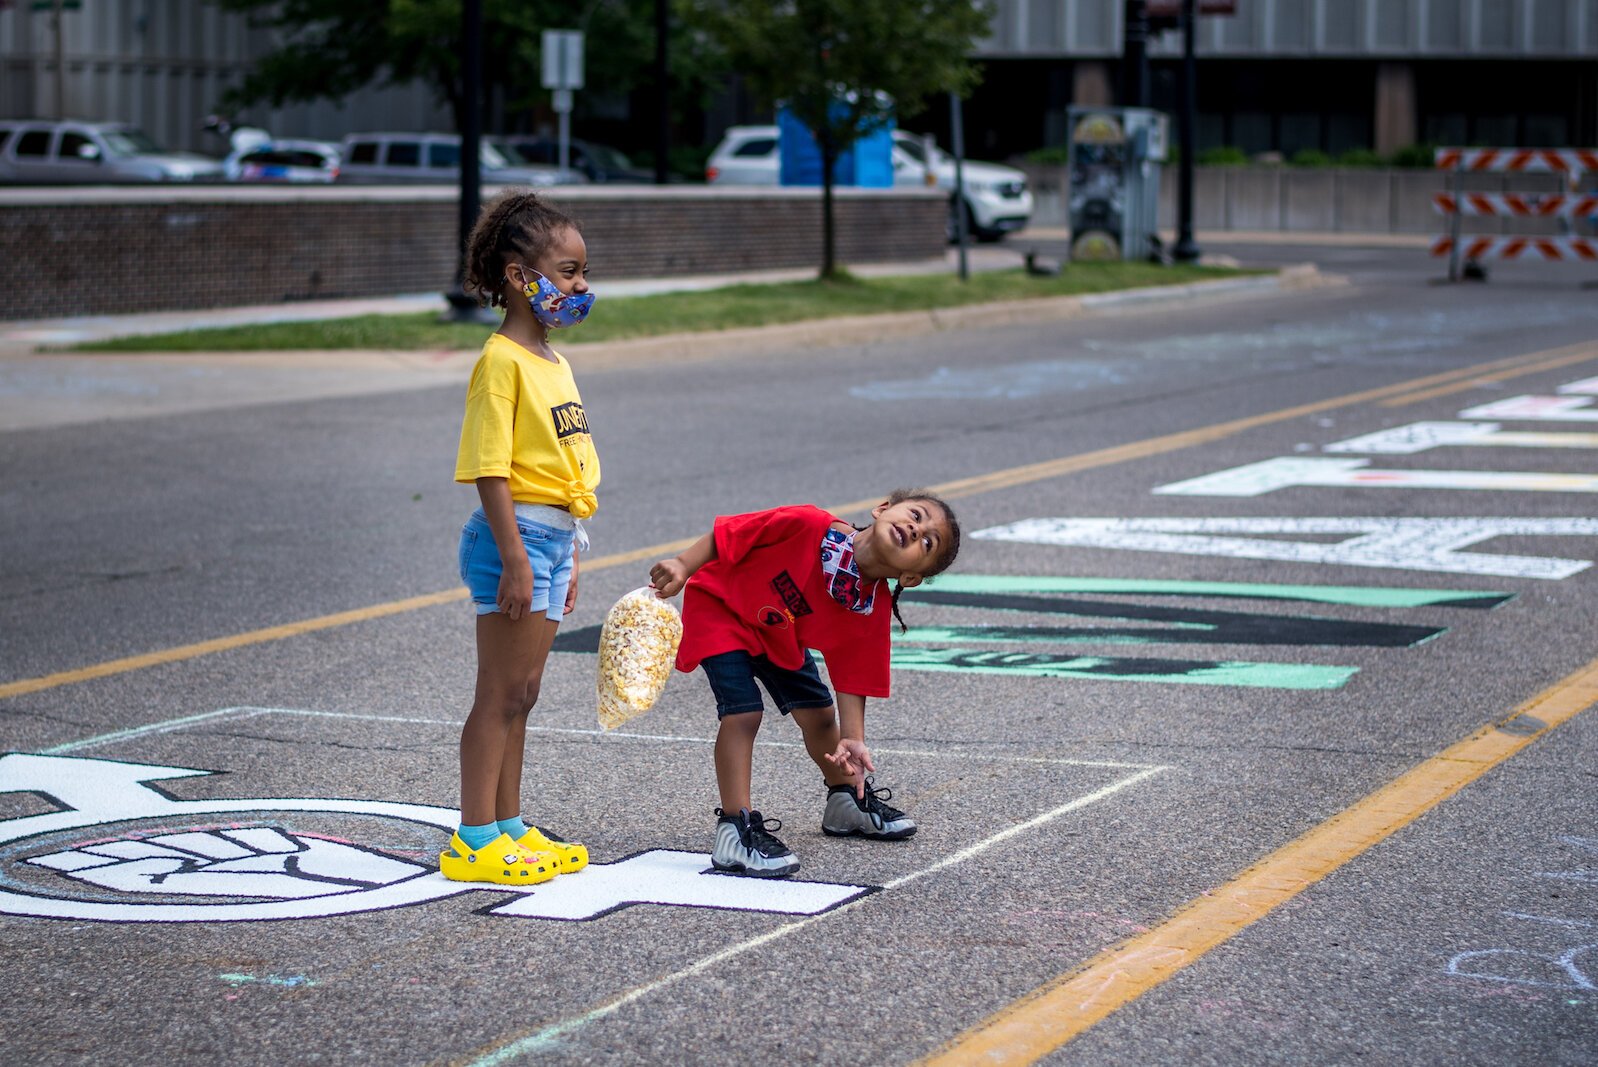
[(517, 225), (951, 546)]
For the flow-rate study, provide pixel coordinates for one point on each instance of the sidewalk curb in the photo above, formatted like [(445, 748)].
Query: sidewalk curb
[(900, 325)]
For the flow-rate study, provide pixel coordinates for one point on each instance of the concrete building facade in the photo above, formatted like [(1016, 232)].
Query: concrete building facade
[(1286, 75), (1279, 75), (164, 65)]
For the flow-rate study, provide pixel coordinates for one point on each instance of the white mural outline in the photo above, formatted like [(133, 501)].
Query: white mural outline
[(314, 877), (1400, 544), (1424, 436), (1568, 407), (1286, 472)]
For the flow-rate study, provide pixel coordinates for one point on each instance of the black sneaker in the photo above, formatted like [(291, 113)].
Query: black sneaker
[(745, 845), (848, 815)]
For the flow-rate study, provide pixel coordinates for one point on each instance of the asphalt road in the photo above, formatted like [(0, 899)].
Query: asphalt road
[(217, 838)]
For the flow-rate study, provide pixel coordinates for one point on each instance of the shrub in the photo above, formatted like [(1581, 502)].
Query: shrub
[(1053, 154), (1222, 156), (1310, 157), (686, 161), (1360, 157), (1415, 155)]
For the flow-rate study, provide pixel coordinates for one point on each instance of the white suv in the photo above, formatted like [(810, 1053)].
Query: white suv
[(997, 200)]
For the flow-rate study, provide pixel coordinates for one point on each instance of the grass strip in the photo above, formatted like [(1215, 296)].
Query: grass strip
[(731, 307)]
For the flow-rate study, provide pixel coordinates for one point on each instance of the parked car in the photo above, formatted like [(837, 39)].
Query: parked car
[(747, 155), (50, 153), (997, 200), (284, 161), (596, 162), (435, 157)]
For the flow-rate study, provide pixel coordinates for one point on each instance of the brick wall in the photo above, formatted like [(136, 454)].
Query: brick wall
[(99, 251)]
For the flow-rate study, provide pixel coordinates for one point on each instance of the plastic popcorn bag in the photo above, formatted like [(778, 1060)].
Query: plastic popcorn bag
[(637, 650)]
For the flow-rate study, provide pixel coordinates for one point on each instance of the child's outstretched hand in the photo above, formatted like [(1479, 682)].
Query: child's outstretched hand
[(668, 577), (854, 759)]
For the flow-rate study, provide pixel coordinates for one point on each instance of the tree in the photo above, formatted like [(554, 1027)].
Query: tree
[(331, 48), (844, 67)]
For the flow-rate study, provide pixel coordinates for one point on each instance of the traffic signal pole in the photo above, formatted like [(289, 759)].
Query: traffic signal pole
[(1187, 250)]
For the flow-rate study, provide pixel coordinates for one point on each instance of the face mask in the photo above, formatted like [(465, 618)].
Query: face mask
[(552, 307), (843, 576)]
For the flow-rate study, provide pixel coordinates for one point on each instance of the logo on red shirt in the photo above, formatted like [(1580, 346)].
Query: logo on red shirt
[(792, 598)]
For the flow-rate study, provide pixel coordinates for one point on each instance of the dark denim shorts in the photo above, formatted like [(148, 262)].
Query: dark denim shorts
[(732, 678)]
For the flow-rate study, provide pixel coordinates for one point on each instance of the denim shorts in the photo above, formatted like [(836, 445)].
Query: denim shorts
[(732, 678), (548, 549)]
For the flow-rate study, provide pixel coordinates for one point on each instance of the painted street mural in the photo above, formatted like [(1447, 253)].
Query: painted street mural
[(968, 646), (230, 860)]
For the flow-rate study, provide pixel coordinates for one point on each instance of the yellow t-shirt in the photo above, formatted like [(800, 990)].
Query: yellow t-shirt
[(525, 423)]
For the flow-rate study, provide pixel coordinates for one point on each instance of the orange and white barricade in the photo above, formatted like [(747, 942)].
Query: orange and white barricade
[(1568, 163)]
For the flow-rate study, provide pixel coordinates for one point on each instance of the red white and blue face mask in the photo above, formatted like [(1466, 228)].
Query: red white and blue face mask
[(552, 307), (842, 575)]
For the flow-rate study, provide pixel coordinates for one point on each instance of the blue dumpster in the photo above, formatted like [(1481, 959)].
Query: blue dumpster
[(868, 162)]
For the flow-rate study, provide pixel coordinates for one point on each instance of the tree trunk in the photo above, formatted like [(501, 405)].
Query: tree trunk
[(829, 157)]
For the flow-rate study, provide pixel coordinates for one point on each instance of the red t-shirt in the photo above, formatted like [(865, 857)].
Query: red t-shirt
[(765, 593)]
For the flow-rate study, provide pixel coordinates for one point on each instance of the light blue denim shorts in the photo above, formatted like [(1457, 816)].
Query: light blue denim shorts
[(548, 548)]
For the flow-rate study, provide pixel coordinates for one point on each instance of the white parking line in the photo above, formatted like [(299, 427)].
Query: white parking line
[(554, 1032), (248, 711)]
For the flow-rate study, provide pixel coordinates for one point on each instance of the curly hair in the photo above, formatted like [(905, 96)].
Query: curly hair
[(517, 225)]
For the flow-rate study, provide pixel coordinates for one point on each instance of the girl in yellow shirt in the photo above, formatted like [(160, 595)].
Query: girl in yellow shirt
[(526, 446)]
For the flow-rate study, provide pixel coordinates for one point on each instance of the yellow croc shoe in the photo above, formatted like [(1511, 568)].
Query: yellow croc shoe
[(501, 861), (569, 855)]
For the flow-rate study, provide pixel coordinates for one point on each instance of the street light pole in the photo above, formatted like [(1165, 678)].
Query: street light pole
[(662, 91), (1187, 250), (957, 144), (1135, 63), (463, 306)]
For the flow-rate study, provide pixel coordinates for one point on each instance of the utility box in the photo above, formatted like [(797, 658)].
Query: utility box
[(868, 162), (1113, 205)]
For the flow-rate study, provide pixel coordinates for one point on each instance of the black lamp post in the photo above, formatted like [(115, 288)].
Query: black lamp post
[(662, 91), (462, 306), (1187, 250), (1135, 63)]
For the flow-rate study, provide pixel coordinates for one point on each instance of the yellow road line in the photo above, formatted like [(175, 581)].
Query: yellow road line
[(1559, 357), (963, 487), (222, 644), (1062, 1010)]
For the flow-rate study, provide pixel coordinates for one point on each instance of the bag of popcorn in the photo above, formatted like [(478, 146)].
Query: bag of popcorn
[(637, 650)]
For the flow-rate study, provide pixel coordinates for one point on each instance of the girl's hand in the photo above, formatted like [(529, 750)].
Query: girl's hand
[(515, 597), (854, 759), (571, 589), (668, 577)]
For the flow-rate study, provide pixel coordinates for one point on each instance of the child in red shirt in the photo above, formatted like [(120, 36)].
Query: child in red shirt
[(764, 589)]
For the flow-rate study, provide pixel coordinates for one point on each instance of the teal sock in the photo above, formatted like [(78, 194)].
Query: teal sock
[(513, 826), (478, 836)]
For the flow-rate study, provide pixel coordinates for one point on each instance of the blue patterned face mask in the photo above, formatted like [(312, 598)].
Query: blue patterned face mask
[(552, 307)]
